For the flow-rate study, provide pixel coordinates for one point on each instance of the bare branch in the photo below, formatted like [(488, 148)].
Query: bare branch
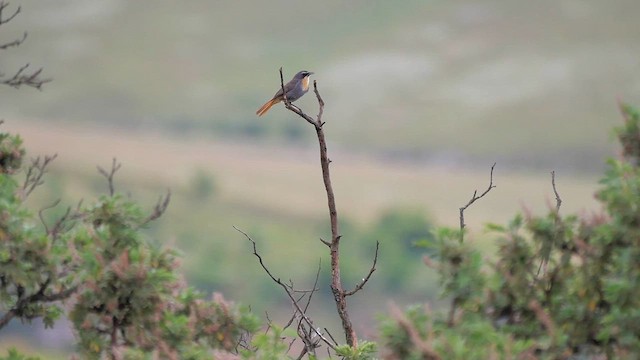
[(35, 172), (331, 336), (115, 166), (159, 209), (339, 294), (41, 214), (64, 222), (16, 42), (21, 78), (315, 286), (366, 279), (3, 20), (555, 191), (286, 288), (473, 199)]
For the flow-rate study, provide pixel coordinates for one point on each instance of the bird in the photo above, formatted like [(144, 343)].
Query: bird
[(294, 90)]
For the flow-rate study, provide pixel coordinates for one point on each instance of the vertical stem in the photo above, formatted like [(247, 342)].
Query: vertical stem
[(336, 282), (339, 295)]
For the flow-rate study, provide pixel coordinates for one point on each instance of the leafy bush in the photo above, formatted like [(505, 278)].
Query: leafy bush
[(560, 287), (125, 296)]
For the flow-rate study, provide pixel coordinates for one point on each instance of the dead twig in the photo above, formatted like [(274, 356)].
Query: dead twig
[(3, 6), (115, 166), (16, 42), (339, 294), (473, 199), (22, 78), (366, 278), (159, 209), (35, 173), (555, 191), (287, 290)]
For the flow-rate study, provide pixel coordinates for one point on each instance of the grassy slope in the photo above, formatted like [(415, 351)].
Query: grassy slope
[(287, 180), (419, 79)]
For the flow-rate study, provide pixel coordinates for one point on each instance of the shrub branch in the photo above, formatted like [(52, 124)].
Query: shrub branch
[(473, 199), (339, 294)]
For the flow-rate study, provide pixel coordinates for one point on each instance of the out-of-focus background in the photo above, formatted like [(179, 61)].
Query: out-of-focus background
[(422, 97)]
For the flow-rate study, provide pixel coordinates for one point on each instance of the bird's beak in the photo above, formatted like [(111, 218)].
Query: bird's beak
[(311, 73)]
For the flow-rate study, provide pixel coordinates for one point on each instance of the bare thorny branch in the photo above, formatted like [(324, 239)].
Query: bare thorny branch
[(22, 76), (158, 209), (473, 199), (311, 335), (364, 280), (288, 290), (555, 191), (35, 172), (339, 293), (115, 166), (543, 262), (64, 223)]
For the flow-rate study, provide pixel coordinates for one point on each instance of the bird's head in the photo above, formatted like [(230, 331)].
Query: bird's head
[(303, 74)]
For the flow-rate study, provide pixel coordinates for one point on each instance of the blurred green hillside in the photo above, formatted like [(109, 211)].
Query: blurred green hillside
[(276, 195), (420, 80)]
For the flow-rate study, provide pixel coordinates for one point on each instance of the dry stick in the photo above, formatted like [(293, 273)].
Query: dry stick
[(543, 263), (115, 166), (339, 294), (553, 184), (474, 198), (360, 285), (286, 289), (3, 20), (35, 173)]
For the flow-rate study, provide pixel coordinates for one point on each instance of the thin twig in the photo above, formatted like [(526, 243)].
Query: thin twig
[(473, 199), (286, 289), (35, 173), (159, 209), (3, 5), (16, 42), (315, 286), (553, 184), (115, 166), (366, 279), (19, 79)]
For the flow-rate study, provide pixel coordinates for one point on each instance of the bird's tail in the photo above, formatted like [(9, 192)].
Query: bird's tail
[(264, 108)]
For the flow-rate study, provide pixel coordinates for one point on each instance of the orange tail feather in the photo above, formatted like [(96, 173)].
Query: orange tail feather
[(264, 108)]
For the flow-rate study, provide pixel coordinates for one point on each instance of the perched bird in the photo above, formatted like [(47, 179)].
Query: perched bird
[(294, 89)]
